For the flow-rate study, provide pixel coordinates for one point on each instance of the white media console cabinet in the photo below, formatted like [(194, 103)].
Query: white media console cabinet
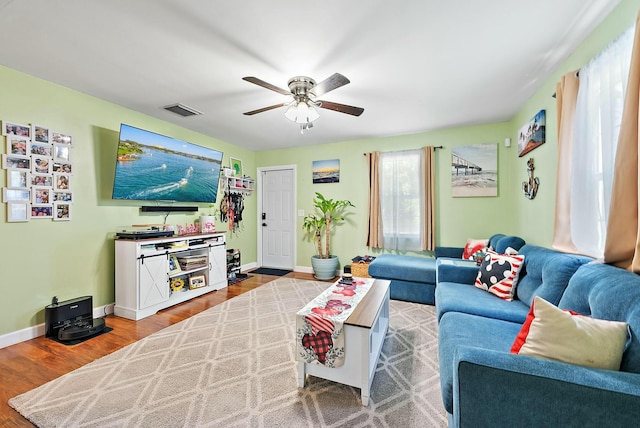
[(155, 273)]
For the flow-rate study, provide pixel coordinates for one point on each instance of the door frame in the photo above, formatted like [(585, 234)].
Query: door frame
[(294, 205)]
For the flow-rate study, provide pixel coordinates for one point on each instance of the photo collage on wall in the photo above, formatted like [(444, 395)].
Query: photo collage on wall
[(39, 171)]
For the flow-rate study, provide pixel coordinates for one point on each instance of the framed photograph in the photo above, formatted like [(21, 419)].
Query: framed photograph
[(18, 178), (17, 211), (42, 180), (61, 181), (197, 281), (41, 211), (236, 166), (12, 128), (40, 134), (61, 211), (532, 134), (174, 266), (16, 195), (41, 165), (60, 138), (63, 197), (326, 171), (41, 149), (62, 152), (16, 162), (17, 145), (41, 195), (62, 167), (474, 170)]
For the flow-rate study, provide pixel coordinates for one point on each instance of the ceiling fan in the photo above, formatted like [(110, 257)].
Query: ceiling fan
[(305, 93)]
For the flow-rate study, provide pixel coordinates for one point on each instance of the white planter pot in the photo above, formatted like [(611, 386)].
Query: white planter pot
[(324, 268), (207, 223)]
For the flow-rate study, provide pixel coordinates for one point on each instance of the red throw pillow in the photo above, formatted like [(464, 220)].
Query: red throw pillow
[(473, 246)]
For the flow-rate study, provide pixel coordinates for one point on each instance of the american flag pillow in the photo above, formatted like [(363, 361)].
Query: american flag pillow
[(499, 273)]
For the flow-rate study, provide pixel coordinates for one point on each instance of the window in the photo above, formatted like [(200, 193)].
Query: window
[(401, 199), (598, 117)]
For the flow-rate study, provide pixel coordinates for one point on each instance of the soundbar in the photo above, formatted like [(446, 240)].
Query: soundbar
[(167, 209)]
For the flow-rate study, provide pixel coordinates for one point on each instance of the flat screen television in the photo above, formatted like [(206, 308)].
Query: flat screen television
[(154, 167)]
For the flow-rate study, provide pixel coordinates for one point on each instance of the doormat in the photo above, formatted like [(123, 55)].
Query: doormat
[(269, 271)]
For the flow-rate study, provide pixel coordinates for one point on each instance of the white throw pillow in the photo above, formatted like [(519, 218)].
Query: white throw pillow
[(552, 333)]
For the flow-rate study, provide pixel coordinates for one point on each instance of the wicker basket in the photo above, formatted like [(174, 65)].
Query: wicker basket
[(360, 269)]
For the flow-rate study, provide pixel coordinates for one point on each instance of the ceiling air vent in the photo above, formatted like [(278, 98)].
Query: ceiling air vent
[(182, 110)]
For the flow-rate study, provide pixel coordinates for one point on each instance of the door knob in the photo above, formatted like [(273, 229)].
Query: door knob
[(264, 224)]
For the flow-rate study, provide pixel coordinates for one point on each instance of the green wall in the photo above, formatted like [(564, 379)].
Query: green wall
[(43, 258), (457, 218), (534, 219)]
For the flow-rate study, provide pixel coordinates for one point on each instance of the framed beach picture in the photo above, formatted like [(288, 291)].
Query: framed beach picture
[(532, 134), (474, 170), (326, 171)]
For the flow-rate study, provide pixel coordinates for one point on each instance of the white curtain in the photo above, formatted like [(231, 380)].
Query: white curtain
[(401, 199), (599, 107)]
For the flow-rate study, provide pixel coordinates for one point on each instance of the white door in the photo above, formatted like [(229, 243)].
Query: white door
[(277, 220)]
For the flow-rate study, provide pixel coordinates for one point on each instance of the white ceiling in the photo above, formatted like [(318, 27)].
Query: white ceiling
[(414, 65)]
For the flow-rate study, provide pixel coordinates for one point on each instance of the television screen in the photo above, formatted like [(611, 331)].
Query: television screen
[(154, 167)]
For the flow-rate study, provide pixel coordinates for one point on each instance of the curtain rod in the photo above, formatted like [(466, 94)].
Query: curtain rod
[(435, 148)]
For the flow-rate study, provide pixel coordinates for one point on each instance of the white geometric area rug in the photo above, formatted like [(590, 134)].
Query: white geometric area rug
[(234, 366)]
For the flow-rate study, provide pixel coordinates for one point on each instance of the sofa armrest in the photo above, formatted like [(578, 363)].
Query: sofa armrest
[(498, 389), (456, 270), (451, 252)]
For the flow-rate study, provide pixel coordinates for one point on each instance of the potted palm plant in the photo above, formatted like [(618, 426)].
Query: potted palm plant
[(330, 213)]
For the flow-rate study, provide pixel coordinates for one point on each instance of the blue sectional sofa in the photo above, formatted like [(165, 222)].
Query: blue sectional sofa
[(413, 279), (484, 385)]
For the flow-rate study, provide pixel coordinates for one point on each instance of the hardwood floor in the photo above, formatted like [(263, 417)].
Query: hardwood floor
[(29, 364)]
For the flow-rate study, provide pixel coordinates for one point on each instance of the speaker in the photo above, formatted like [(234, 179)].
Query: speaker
[(167, 209)]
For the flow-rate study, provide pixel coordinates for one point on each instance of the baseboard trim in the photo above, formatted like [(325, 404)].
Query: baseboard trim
[(303, 269), (29, 333)]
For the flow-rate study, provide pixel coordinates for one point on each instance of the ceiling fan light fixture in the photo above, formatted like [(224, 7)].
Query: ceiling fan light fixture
[(301, 112)]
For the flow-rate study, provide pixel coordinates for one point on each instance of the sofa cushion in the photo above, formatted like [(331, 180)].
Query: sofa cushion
[(546, 273), (405, 268), (499, 243), (608, 292), (458, 329), (455, 297), (498, 274), (550, 332)]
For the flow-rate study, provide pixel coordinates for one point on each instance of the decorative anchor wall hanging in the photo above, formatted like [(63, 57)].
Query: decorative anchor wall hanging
[(530, 188)]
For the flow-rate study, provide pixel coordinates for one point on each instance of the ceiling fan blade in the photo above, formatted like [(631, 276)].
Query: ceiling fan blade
[(342, 108), (260, 110), (264, 84), (329, 84)]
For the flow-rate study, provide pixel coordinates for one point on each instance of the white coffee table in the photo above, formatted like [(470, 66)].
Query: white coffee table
[(364, 330)]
